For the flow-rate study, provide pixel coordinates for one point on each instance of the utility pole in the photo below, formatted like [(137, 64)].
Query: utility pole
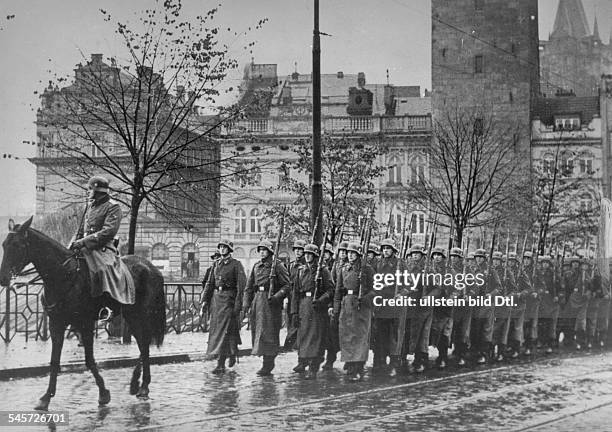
[(317, 187)]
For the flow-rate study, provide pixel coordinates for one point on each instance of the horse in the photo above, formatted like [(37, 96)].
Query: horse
[(68, 301)]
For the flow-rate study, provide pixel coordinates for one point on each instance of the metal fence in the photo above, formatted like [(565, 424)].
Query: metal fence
[(22, 313)]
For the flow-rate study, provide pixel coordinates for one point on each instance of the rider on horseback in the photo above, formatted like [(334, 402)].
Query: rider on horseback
[(95, 240)]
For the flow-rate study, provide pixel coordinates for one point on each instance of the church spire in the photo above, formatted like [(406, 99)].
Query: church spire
[(571, 20), (596, 30)]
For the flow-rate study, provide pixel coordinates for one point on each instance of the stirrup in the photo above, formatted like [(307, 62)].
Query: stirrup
[(105, 314)]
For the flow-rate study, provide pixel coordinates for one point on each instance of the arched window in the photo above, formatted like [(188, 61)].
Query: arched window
[(253, 253), (395, 170), (567, 163), (585, 163), (255, 221), (240, 221), (419, 223), (417, 169), (190, 261)]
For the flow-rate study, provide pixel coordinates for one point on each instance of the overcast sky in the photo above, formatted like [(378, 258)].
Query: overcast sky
[(366, 36)]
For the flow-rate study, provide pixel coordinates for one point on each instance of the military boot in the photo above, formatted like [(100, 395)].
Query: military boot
[(268, 365), (301, 366), (395, 366), (220, 369), (378, 364), (313, 368)]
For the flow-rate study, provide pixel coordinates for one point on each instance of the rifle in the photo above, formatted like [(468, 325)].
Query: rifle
[(389, 225), (366, 246), (432, 243), (339, 241), (319, 276), (490, 263), (522, 266), (316, 224), (276, 250), (450, 243), (401, 328), (401, 247)]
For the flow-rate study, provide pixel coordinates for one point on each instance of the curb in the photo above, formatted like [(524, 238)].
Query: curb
[(111, 363)]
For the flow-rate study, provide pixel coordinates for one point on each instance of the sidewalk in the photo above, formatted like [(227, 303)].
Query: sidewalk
[(19, 359)]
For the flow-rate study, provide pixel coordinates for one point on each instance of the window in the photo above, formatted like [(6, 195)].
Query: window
[(585, 163), (240, 221), (418, 226), (478, 64), (283, 176), (567, 123), (586, 203), (479, 5), (567, 163), (548, 164), (190, 261), (160, 257), (395, 171), (255, 221), (417, 169)]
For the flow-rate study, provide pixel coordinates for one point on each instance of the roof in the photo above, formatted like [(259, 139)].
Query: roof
[(547, 108), (413, 106), (571, 20)]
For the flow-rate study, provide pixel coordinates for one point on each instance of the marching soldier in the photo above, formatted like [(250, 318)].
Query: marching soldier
[(422, 315), (603, 313), (385, 321), (549, 306), (332, 340), (266, 308), (567, 316), (462, 315), (532, 303), (442, 322), (579, 299), (373, 255), (354, 314), (518, 287), (310, 307), (224, 291), (328, 257), (290, 339), (501, 326), (483, 316), (594, 305)]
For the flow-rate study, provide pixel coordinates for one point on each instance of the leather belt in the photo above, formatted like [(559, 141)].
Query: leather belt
[(262, 288), (308, 294)]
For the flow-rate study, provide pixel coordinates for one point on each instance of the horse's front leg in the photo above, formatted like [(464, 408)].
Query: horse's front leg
[(104, 396), (57, 328)]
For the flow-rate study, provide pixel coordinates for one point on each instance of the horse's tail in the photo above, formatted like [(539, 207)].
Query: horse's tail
[(157, 312)]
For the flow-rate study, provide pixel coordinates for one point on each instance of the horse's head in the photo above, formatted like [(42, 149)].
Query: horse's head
[(16, 255)]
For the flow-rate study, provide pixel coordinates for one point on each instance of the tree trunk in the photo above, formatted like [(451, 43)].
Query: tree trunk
[(135, 204)]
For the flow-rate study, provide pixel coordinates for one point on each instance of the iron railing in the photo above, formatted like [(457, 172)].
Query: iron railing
[(22, 313)]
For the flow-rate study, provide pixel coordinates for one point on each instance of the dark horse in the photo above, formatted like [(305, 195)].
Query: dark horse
[(68, 301)]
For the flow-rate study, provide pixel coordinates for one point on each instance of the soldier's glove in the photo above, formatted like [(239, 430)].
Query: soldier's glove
[(556, 299), (203, 308), (77, 245), (330, 312), (276, 299), (295, 318)]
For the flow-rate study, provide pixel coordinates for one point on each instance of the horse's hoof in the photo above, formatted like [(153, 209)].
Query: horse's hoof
[(143, 393), (42, 405), (104, 397), (134, 387)]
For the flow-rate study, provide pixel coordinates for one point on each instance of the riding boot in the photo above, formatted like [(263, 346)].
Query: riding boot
[(220, 366), (329, 363), (301, 366), (395, 364)]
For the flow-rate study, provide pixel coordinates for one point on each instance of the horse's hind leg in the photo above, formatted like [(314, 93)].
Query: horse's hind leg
[(57, 328), (135, 381), (104, 396)]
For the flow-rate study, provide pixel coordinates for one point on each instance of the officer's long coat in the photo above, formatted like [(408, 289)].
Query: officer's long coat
[(265, 319), (314, 321), (107, 271), (224, 291), (354, 323)]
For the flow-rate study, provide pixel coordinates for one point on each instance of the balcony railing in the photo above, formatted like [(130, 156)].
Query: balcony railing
[(346, 124)]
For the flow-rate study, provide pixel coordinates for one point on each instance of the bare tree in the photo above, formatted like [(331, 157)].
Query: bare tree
[(136, 120), (349, 173), (474, 169)]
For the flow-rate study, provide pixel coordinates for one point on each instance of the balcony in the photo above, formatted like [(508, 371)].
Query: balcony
[(340, 125)]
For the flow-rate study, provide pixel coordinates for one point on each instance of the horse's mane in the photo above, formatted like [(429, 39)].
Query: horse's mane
[(54, 242)]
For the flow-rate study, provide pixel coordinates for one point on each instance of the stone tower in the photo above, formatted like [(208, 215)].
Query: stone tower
[(573, 59), (485, 57)]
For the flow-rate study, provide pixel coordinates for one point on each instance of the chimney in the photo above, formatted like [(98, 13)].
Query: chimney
[(361, 79), (340, 75), (96, 58)]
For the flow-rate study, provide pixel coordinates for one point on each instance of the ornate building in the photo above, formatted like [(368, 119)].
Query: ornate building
[(180, 246), (281, 116)]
